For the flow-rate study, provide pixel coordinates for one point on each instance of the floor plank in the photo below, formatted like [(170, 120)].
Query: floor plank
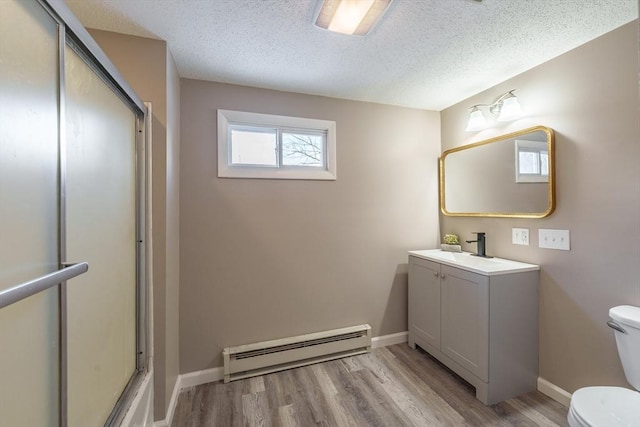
[(391, 386)]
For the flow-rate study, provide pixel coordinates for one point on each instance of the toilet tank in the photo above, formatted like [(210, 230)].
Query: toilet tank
[(628, 317)]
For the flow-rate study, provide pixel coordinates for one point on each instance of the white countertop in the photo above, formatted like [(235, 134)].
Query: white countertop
[(469, 262)]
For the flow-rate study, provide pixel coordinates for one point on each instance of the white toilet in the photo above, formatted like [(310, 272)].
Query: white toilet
[(614, 406)]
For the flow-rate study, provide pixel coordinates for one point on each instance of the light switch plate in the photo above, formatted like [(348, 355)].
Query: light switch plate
[(520, 236), (554, 239)]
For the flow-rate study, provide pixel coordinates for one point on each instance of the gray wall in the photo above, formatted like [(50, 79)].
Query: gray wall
[(263, 259), (147, 65), (589, 96)]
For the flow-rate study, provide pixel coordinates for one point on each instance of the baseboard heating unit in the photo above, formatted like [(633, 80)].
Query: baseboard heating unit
[(270, 356)]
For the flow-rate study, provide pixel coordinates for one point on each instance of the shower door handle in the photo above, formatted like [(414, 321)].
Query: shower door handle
[(32, 287)]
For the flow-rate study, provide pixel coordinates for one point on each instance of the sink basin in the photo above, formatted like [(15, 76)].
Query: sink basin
[(467, 261)]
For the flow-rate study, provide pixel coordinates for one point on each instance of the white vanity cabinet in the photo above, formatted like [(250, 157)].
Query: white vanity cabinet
[(479, 317)]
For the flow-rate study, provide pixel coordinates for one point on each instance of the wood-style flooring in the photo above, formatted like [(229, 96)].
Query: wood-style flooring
[(391, 386)]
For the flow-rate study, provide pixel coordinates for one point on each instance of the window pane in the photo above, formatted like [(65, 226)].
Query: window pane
[(544, 162), (254, 147), (528, 162), (300, 149)]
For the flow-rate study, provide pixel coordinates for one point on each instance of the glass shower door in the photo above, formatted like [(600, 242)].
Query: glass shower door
[(29, 335), (101, 229)]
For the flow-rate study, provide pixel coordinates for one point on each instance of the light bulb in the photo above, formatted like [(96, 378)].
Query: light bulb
[(476, 120), (510, 110)]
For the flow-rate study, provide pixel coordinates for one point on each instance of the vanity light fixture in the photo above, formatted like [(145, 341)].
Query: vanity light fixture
[(506, 107), (353, 17)]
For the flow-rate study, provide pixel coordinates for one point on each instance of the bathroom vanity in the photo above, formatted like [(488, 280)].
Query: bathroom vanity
[(479, 317)]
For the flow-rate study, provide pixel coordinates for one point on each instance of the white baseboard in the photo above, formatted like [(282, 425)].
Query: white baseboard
[(190, 379), (202, 377), (554, 392), (173, 402), (391, 339)]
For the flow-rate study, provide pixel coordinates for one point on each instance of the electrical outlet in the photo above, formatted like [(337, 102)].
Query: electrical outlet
[(520, 236), (554, 239)]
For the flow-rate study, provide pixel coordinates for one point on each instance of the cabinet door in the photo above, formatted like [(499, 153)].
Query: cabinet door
[(465, 319), (424, 300)]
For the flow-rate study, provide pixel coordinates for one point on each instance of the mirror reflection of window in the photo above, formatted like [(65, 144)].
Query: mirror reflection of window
[(532, 161)]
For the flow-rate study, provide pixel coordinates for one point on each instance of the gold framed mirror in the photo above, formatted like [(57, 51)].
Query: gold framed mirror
[(510, 176)]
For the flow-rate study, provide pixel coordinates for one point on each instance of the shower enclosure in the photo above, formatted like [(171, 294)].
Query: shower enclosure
[(72, 224)]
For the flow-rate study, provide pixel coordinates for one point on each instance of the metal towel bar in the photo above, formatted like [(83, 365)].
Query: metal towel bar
[(32, 287)]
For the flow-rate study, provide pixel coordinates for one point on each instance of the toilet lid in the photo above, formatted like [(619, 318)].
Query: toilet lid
[(607, 406)]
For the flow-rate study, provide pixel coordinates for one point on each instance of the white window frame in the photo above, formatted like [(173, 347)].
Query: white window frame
[(228, 170), (537, 147)]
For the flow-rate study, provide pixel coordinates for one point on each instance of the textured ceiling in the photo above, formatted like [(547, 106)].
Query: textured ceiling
[(426, 54)]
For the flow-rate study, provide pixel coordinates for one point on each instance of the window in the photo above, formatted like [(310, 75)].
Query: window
[(532, 161), (252, 145)]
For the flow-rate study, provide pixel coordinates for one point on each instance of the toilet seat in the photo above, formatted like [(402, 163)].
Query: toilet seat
[(605, 407)]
